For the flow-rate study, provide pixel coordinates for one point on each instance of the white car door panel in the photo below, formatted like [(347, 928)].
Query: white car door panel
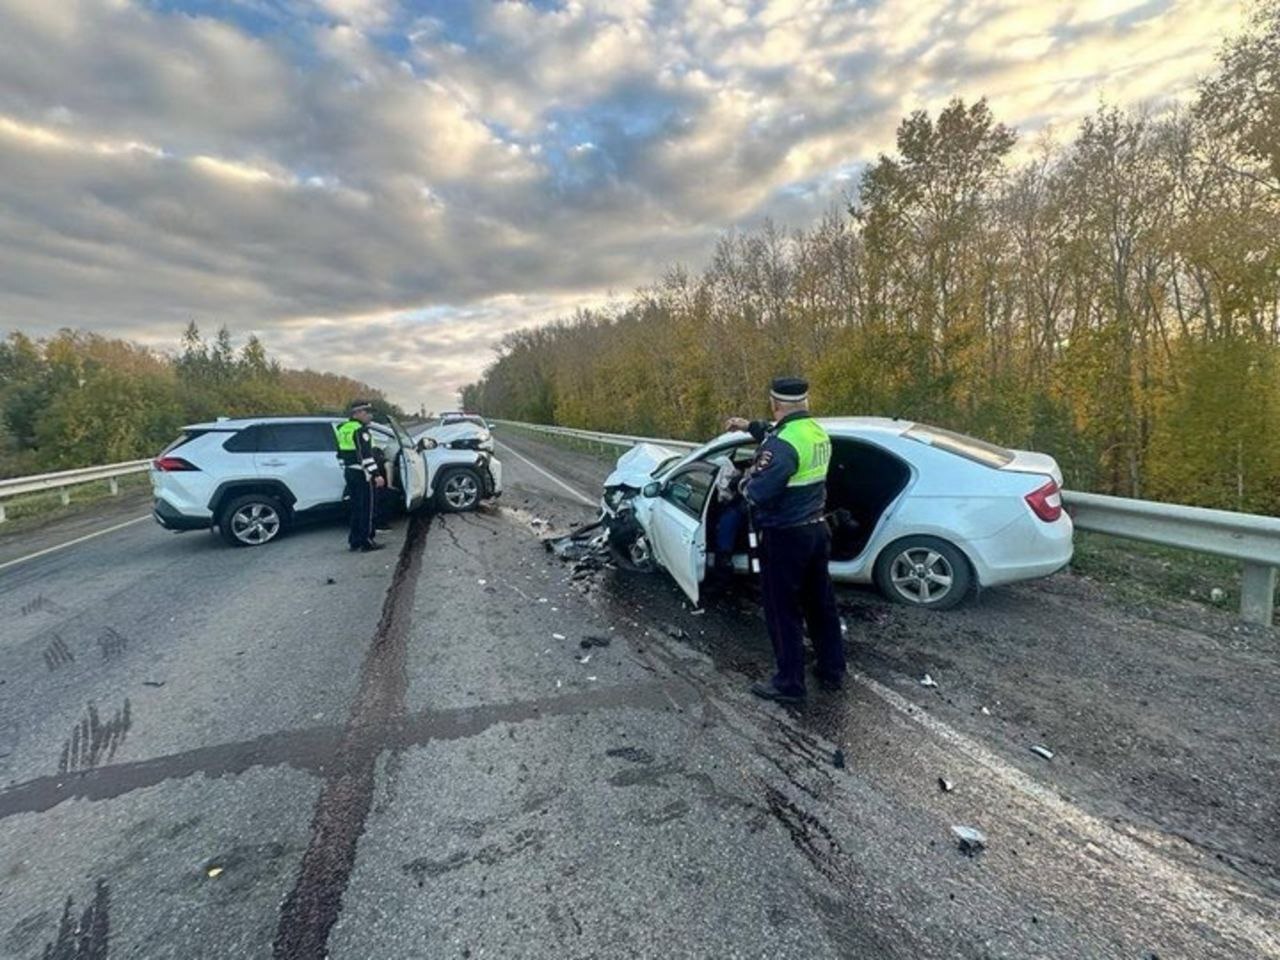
[(677, 529), (413, 469)]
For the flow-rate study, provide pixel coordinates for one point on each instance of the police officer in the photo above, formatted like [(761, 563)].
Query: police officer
[(786, 490), (355, 450)]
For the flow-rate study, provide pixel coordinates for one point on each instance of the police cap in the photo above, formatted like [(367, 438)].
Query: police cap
[(358, 405), (789, 389)]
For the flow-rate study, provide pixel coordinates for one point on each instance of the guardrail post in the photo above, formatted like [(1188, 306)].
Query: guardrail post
[(65, 496), (114, 484), (3, 518), (1258, 593)]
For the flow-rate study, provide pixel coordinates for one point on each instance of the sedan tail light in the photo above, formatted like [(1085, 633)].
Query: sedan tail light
[(172, 464), (1046, 502)]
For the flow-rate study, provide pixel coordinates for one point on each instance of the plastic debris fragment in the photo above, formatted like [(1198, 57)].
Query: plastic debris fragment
[(972, 840)]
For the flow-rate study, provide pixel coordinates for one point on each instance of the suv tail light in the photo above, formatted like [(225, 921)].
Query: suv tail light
[(172, 464), (1046, 502)]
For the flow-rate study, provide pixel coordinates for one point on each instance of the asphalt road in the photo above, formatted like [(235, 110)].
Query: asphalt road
[(295, 751)]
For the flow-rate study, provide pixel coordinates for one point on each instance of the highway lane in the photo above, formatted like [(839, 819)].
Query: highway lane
[(145, 675), (420, 760)]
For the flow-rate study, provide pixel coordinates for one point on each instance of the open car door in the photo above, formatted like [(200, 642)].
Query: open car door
[(677, 527), (412, 469)]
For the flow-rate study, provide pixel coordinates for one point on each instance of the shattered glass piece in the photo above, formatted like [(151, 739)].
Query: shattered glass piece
[(971, 840)]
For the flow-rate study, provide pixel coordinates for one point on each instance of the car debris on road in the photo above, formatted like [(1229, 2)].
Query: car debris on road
[(1041, 751), (971, 840)]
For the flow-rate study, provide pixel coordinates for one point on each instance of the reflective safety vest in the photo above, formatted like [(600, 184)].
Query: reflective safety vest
[(353, 449), (813, 449), (346, 432)]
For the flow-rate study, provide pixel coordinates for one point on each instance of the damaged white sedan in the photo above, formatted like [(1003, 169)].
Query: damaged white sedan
[(926, 514)]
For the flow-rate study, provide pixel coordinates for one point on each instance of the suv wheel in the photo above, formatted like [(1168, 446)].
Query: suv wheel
[(251, 520), (458, 490)]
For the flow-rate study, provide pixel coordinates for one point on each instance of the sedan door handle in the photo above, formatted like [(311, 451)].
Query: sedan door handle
[(273, 463)]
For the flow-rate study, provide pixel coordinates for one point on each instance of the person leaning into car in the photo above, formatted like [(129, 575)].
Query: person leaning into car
[(360, 470), (786, 490)]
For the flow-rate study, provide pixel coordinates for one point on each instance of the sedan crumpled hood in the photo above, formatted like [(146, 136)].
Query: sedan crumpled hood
[(635, 467)]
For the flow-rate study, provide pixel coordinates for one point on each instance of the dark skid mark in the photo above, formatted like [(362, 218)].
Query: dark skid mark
[(809, 834), (40, 603), (93, 741), (112, 644), (488, 855), (86, 939), (57, 654), (312, 749), (312, 906), (630, 754)]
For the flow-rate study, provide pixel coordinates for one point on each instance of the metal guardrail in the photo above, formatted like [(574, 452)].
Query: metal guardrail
[(64, 479), (1251, 539)]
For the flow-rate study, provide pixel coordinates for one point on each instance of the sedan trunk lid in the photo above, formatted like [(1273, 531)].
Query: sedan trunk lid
[(1027, 461)]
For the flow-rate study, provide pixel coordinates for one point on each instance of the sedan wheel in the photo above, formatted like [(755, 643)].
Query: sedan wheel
[(922, 575), (254, 524), (924, 572)]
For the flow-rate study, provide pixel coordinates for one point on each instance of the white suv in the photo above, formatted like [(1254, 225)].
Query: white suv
[(252, 478)]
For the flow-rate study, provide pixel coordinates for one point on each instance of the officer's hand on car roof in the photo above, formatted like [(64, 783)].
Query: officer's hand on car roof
[(737, 424)]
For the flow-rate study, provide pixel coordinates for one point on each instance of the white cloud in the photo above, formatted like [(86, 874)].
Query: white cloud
[(355, 172)]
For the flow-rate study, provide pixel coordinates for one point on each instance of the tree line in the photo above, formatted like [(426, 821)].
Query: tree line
[(1113, 300), (77, 399)]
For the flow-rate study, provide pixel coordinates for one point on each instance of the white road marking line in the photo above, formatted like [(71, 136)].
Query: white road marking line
[(551, 476), (72, 543), (1169, 875)]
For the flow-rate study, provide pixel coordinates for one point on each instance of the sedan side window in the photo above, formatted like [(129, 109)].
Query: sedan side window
[(689, 490)]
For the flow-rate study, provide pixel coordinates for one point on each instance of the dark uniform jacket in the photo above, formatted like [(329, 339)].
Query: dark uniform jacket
[(355, 447), (773, 503)]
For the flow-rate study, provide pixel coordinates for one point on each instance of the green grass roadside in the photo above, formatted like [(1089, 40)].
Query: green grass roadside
[(1143, 573), (1132, 572), (34, 510)]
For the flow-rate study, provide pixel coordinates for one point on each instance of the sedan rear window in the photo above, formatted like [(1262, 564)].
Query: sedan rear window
[(971, 448)]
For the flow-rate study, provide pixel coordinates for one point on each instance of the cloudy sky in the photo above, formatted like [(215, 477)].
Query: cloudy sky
[(383, 187)]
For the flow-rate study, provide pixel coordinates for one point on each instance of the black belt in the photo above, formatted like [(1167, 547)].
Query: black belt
[(795, 526)]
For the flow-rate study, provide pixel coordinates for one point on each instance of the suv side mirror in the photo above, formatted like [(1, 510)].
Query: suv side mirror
[(424, 444), (651, 490)]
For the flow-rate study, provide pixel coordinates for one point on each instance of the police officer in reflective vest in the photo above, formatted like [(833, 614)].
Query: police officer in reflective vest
[(786, 490), (355, 450)]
